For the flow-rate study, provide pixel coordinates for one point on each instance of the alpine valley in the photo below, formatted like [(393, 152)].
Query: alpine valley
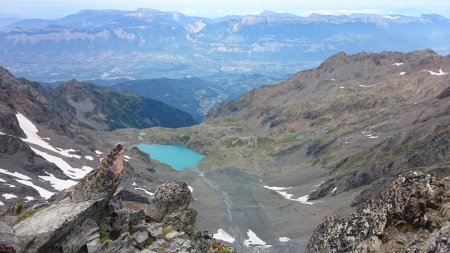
[(350, 155)]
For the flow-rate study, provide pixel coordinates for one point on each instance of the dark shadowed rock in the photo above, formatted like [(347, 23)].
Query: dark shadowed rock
[(412, 215), (125, 195), (444, 94)]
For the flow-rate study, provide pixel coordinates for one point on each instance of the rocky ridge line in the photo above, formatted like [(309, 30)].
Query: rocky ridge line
[(412, 215)]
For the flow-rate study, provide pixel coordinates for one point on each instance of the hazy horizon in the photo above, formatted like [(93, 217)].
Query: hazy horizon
[(50, 9)]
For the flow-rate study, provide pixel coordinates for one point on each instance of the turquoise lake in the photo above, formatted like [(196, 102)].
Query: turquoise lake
[(177, 157)]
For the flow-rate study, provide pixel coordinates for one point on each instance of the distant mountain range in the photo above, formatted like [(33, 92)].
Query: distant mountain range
[(146, 43)]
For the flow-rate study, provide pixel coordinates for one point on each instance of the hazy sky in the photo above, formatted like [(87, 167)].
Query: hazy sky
[(214, 8)]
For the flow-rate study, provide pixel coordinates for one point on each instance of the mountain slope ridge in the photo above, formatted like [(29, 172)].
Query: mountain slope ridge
[(367, 100), (105, 109)]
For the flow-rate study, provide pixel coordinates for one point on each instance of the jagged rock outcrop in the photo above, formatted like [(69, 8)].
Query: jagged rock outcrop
[(169, 198), (165, 223), (53, 227), (90, 217), (104, 180), (412, 215)]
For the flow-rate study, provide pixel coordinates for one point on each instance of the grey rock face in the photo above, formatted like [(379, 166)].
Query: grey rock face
[(49, 225), (8, 241), (84, 234), (410, 216), (140, 238)]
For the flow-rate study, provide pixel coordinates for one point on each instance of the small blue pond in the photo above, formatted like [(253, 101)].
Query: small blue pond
[(177, 157)]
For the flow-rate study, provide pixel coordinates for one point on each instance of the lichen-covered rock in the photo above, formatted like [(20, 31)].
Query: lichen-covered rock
[(104, 180), (172, 197), (410, 216)]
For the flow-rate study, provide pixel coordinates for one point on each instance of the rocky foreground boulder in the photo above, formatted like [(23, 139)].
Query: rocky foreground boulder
[(412, 215), (8, 241), (96, 216)]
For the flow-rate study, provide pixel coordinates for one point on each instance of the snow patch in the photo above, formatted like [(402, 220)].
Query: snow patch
[(304, 200), (133, 184), (98, 152), (191, 189), (31, 131), (144, 190), (275, 188), (342, 87), (74, 173), (397, 64), (28, 198), (1, 203), (254, 241), (284, 239), (441, 73), (42, 192), (319, 184), (88, 157), (372, 136), (15, 174), (223, 236), (9, 196), (282, 191), (57, 183), (402, 73), (1, 133), (2, 181), (334, 189)]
